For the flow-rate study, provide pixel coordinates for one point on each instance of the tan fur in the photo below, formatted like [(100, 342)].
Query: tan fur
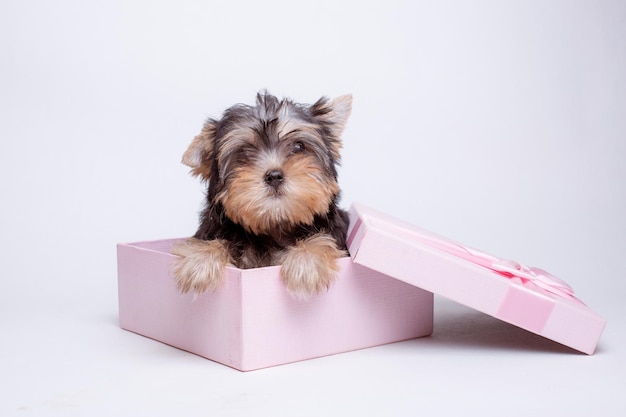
[(200, 266), (340, 110), (310, 265), (199, 151), (307, 192)]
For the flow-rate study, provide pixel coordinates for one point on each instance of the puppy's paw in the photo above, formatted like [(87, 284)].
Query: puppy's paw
[(310, 266), (200, 265)]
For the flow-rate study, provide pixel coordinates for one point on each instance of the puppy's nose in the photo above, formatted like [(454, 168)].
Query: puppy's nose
[(274, 177)]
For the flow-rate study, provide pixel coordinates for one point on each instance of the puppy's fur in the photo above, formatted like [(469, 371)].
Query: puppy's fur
[(271, 173)]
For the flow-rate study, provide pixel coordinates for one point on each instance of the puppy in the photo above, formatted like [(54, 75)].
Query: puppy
[(272, 194)]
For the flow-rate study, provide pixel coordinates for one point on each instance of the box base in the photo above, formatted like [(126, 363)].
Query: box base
[(252, 322)]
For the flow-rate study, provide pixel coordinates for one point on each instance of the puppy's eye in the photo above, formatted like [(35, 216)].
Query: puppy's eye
[(297, 147), (243, 154)]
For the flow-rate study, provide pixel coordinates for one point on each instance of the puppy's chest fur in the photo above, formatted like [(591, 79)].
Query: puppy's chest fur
[(252, 251)]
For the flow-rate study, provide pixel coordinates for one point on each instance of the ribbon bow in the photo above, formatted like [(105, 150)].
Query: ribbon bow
[(507, 268)]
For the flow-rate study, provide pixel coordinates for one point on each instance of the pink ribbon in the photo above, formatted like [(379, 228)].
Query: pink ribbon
[(510, 269), (507, 268)]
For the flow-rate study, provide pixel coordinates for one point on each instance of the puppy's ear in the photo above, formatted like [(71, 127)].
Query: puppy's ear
[(199, 155), (334, 115)]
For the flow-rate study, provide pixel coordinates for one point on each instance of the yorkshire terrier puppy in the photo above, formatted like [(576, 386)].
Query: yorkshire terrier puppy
[(271, 173)]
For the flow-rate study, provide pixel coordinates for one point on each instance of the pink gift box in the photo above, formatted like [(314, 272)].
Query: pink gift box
[(529, 298), (252, 322)]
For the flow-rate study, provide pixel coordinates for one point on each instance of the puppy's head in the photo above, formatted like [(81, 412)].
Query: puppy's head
[(272, 166)]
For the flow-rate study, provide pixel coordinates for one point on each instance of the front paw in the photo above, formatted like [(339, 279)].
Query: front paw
[(310, 265), (200, 264)]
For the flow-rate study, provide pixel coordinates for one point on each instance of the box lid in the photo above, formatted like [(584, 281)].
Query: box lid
[(527, 297)]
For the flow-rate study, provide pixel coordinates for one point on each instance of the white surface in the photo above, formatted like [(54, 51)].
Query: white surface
[(501, 125)]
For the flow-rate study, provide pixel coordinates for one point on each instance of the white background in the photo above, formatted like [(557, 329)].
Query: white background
[(499, 124)]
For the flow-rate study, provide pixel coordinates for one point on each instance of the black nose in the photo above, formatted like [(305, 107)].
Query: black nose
[(274, 177)]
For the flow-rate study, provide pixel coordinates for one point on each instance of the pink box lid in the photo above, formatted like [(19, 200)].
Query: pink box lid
[(527, 297)]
